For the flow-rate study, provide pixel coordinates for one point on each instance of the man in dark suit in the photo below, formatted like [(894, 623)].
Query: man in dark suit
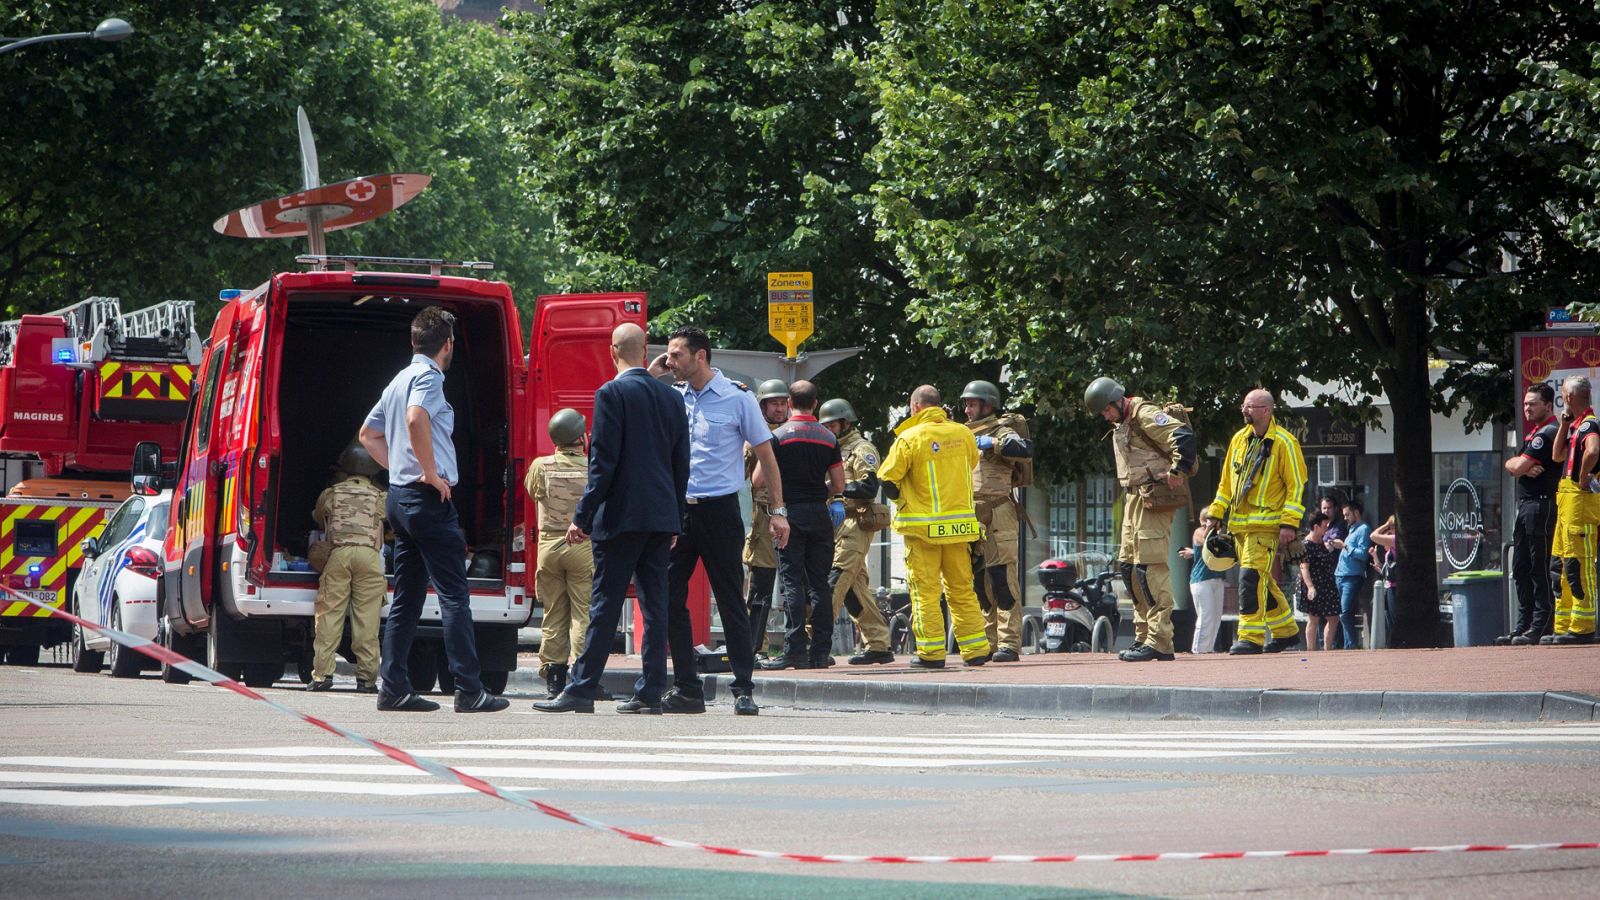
[(632, 506)]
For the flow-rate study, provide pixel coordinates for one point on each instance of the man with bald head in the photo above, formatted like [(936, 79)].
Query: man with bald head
[(1261, 500), (632, 507), (928, 475)]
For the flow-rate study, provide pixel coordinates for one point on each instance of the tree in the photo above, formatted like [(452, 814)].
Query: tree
[(1229, 193), (118, 159), (687, 149)]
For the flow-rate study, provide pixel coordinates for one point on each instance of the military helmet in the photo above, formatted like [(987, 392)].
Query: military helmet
[(1102, 392), (836, 409), (566, 427), (1219, 552), (982, 390), (772, 389), (355, 460)]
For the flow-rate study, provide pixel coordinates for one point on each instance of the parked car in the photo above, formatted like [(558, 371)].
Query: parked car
[(117, 586)]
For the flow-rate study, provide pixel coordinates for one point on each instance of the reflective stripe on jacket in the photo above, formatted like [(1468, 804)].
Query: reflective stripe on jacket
[(1276, 491), (931, 463)]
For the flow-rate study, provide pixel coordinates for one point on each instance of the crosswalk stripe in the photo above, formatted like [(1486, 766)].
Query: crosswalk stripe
[(912, 754), (1041, 745), (274, 785), (602, 756), (47, 797), (385, 769)]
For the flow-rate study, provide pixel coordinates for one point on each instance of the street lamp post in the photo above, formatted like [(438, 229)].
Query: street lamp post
[(109, 30)]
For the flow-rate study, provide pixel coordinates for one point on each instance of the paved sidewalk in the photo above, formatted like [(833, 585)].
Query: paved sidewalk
[(1471, 683)]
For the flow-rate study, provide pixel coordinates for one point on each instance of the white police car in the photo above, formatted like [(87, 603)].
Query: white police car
[(117, 586)]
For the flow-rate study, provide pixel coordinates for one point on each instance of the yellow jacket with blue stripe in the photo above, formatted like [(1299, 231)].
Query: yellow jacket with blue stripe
[(931, 463), (1274, 496)]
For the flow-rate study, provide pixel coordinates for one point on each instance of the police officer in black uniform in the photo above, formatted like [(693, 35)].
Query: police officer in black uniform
[(1536, 473), (811, 471)]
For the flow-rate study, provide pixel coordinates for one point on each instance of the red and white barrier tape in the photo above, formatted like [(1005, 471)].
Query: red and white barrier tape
[(445, 773)]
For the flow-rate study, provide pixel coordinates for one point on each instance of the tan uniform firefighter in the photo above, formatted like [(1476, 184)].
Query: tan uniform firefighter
[(759, 555), (864, 516), (1156, 453), (928, 475), (350, 512), (565, 573), (1260, 500), (1003, 458)]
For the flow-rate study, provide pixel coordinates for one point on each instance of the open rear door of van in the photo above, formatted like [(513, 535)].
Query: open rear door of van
[(570, 358)]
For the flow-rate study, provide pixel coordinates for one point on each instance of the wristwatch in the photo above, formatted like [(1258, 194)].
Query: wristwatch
[(781, 512)]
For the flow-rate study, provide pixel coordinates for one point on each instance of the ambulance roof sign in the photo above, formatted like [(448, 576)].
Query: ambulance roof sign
[(789, 309)]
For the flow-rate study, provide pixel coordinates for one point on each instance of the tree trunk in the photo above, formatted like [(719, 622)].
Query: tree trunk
[(1416, 593)]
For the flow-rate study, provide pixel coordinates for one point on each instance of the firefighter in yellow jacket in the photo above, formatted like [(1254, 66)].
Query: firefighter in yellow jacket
[(1156, 453), (864, 516), (1577, 449), (1002, 453), (928, 474), (1260, 498), (565, 573), (350, 512)]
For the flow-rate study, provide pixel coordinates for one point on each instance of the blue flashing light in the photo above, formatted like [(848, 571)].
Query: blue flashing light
[(35, 569), (65, 356), (227, 294)]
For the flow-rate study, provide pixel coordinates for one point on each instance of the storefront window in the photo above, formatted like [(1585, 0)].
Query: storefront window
[(1467, 512), (1082, 517)]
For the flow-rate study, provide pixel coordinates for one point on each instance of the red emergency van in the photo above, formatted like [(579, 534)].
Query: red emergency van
[(286, 379)]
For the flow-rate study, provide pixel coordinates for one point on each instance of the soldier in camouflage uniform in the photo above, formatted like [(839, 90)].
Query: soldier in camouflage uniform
[(864, 516), (350, 512), (565, 574), (759, 556), (1001, 452)]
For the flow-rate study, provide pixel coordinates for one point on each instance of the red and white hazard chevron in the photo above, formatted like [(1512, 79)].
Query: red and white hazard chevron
[(445, 773)]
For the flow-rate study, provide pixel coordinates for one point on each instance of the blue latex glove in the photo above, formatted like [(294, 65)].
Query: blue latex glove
[(836, 512), (985, 442)]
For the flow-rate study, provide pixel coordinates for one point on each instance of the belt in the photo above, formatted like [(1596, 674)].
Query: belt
[(696, 501)]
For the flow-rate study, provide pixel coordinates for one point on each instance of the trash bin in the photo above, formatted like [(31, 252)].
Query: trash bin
[(1477, 612)]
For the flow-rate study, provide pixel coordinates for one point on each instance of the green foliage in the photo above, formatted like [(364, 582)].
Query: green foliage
[(687, 149), (119, 157), (1226, 194)]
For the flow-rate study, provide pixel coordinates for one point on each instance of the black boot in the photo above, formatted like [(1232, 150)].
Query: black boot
[(555, 680)]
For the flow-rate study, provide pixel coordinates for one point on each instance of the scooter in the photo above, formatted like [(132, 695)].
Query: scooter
[(1080, 615)]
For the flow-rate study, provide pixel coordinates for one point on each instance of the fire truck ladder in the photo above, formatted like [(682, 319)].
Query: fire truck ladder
[(163, 331), (83, 318)]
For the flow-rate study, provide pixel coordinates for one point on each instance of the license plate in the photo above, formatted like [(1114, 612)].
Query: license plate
[(46, 597), (1055, 629), (953, 529)]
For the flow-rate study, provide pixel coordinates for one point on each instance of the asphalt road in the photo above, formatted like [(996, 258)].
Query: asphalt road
[(140, 789)]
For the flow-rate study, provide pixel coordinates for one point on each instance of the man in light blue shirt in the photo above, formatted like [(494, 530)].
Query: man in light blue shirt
[(1351, 570), (722, 419), (409, 433)]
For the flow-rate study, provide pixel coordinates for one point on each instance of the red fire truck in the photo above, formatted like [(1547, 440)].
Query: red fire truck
[(79, 388), (288, 375)]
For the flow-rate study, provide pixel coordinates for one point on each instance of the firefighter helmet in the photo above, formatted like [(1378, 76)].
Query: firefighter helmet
[(355, 460), (1102, 392), (566, 427), (982, 390), (1219, 553), (772, 389), (836, 409)]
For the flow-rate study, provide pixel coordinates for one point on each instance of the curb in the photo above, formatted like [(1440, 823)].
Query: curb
[(1130, 701)]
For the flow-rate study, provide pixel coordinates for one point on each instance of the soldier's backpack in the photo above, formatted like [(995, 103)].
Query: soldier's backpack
[(1022, 469), (1181, 413)]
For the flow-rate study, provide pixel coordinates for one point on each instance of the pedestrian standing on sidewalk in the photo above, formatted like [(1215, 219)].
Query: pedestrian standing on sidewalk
[(1536, 472), (409, 432), (928, 475), (1259, 498), (759, 555), (564, 572), (1156, 453), (723, 418), (1206, 589), (1351, 570), (812, 472), (1319, 591), (1577, 514)]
